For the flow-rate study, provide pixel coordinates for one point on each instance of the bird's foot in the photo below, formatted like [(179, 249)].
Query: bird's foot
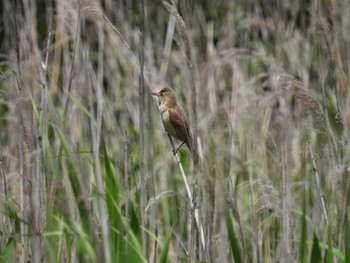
[(177, 149)]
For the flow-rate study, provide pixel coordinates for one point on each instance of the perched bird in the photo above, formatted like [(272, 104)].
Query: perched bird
[(173, 119)]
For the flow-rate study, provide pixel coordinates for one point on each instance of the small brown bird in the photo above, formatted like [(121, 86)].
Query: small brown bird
[(173, 119)]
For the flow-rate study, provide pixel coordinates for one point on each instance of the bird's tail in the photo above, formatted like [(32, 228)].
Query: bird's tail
[(194, 152)]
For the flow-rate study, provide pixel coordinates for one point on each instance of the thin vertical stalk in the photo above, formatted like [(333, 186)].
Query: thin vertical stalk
[(318, 184), (23, 211), (153, 226), (3, 187), (189, 194), (23, 171), (99, 178), (77, 34), (5, 221), (37, 186), (126, 181), (102, 210), (142, 124), (330, 143), (286, 230), (167, 48), (187, 48)]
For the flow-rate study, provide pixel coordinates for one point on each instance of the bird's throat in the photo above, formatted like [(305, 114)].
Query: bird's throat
[(166, 104)]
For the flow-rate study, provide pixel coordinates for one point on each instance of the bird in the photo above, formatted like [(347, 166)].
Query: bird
[(174, 121)]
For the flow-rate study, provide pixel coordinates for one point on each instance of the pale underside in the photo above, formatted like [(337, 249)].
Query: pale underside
[(167, 125)]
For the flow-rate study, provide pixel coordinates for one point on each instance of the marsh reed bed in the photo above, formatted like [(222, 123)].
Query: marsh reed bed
[(87, 173)]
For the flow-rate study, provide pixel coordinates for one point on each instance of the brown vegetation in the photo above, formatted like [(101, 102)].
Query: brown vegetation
[(87, 172)]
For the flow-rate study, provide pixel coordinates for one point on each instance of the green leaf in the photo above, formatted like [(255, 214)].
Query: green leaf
[(303, 246), (328, 257), (134, 222), (5, 255), (232, 237), (164, 254), (316, 251), (335, 251), (76, 185), (85, 248), (125, 243), (347, 243), (112, 201), (82, 108)]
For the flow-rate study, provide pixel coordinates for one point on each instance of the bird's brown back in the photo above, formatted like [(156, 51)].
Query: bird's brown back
[(180, 124)]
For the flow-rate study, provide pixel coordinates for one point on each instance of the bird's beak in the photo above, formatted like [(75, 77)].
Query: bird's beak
[(155, 94)]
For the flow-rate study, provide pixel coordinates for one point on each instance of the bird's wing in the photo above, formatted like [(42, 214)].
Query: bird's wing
[(180, 124)]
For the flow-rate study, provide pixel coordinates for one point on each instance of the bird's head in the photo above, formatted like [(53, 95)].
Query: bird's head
[(166, 96)]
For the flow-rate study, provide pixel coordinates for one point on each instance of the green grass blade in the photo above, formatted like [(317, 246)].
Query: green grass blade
[(303, 246), (112, 201), (165, 250), (232, 237), (76, 186), (328, 257), (347, 244), (125, 240), (134, 221), (6, 254), (82, 108), (85, 248), (316, 251)]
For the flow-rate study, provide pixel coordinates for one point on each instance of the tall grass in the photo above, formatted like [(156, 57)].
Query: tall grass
[(87, 173)]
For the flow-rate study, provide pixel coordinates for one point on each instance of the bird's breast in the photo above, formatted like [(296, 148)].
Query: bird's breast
[(167, 124)]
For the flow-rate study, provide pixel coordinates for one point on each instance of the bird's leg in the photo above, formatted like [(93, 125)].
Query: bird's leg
[(173, 144), (175, 151)]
